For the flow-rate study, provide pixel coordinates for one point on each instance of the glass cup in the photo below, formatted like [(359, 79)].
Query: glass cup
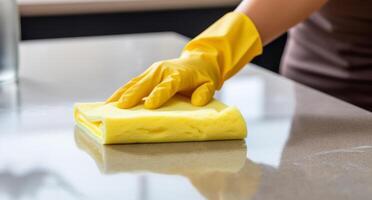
[(9, 39)]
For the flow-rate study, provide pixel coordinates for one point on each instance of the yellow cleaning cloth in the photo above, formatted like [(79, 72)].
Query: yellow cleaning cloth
[(176, 121)]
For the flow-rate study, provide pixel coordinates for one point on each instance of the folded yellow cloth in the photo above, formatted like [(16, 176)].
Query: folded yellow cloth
[(176, 121)]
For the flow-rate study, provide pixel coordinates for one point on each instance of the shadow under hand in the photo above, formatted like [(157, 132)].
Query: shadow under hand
[(217, 169)]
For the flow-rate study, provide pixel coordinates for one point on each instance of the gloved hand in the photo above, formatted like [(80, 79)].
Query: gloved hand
[(205, 63)]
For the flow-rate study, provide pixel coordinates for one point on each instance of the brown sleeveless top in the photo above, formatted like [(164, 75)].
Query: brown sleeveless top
[(332, 51)]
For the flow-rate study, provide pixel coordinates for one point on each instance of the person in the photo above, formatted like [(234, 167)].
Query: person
[(329, 48)]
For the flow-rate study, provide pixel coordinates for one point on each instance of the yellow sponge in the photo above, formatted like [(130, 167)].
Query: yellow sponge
[(176, 121)]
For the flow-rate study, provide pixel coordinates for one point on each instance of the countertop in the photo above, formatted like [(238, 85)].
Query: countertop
[(58, 7), (301, 144)]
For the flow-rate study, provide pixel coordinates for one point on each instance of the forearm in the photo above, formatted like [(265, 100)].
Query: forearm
[(274, 17)]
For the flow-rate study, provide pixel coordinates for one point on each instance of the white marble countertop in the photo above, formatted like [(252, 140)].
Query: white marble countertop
[(301, 144), (58, 7)]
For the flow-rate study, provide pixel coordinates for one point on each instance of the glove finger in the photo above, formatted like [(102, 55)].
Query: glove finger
[(163, 92), (133, 95), (203, 94), (117, 94)]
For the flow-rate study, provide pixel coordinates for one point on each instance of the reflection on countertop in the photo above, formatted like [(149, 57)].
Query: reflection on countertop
[(30, 184), (217, 169)]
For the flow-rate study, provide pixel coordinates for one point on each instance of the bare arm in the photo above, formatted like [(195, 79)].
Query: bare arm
[(274, 17)]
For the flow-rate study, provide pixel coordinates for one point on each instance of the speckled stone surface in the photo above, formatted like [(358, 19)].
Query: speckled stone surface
[(301, 144)]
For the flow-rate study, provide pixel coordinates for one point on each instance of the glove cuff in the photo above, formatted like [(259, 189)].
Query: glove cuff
[(233, 40)]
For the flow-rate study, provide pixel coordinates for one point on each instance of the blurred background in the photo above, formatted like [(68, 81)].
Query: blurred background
[(42, 19)]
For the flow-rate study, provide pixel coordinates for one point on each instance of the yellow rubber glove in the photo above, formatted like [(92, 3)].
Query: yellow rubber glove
[(205, 63)]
